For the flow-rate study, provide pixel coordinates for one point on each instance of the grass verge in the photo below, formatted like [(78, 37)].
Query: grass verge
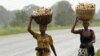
[(97, 53), (15, 30)]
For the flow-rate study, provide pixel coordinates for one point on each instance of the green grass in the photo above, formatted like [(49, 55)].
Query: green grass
[(16, 30), (98, 53), (55, 27), (10, 30), (95, 23), (92, 23)]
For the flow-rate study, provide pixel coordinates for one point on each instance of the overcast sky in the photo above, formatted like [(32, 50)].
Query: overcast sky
[(19, 4)]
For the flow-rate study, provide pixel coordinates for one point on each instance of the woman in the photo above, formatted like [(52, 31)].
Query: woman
[(43, 40), (87, 37)]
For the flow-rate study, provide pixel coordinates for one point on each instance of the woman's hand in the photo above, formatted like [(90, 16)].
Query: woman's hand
[(55, 55), (31, 18), (76, 20), (73, 28), (86, 45), (53, 49), (90, 44)]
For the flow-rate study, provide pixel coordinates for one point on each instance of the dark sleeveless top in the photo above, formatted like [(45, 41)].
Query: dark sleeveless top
[(85, 39)]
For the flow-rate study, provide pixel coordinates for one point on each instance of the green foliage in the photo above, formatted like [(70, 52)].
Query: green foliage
[(20, 19), (64, 13)]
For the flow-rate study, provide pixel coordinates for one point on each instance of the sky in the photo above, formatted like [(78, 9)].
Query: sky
[(19, 4)]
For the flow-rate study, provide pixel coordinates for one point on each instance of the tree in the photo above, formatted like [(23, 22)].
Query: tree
[(64, 13), (4, 16), (20, 19)]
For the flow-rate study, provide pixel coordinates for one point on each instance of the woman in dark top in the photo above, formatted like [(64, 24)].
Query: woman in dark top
[(87, 37)]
